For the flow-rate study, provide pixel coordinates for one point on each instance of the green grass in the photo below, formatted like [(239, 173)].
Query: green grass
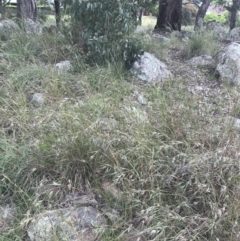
[(175, 161)]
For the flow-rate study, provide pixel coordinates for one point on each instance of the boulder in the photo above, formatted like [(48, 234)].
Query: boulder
[(140, 30), (64, 65), (150, 69), (160, 37), (7, 28), (183, 34), (233, 35), (202, 61), (8, 215), (70, 224), (228, 64), (32, 27), (217, 28)]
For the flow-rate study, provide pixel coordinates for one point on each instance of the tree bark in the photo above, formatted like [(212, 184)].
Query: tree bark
[(233, 13), (170, 15), (57, 12), (201, 14), (27, 9)]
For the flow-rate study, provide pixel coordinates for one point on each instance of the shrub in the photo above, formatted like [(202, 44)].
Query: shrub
[(102, 26), (218, 18), (200, 44)]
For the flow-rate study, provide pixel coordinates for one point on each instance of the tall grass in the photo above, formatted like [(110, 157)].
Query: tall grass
[(175, 164)]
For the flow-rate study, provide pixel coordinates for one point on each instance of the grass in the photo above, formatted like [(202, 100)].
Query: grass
[(174, 161)]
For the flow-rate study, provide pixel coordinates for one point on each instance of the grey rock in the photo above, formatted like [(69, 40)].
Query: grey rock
[(38, 99), (32, 27), (183, 34), (70, 224), (228, 64), (150, 69), (64, 65), (7, 28), (217, 28), (160, 37), (233, 35), (203, 60), (141, 100), (7, 217), (233, 121), (140, 30)]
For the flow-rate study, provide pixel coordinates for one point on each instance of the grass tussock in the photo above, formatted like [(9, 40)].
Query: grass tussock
[(203, 43), (175, 163)]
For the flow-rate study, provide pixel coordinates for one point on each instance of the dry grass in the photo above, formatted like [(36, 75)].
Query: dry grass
[(175, 160)]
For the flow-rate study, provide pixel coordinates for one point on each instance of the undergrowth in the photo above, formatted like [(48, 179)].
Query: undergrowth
[(174, 162)]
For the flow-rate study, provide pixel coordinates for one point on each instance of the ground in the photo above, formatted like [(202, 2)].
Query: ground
[(175, 159)]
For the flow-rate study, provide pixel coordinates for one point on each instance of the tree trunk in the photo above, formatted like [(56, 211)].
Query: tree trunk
[(170, 15), (3, 8), (233, 13), (27, 9), (201, 14), (57, 11)]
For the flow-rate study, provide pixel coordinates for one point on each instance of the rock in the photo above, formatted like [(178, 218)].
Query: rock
[(160, 37), (203, 60), (217, 28), (233, 121), (228, 66), (150, 69), (7, 28), (233, 35), (7, 217), (183, 34), (64, 65), (69, 224), (38, 99), (32, 27), (141, 100), (140, 30)]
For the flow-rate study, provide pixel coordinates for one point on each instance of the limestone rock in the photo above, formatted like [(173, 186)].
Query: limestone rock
[(7, 217), (160, 37), (233, 35), (217, 28), (228, 66), (183, 34), (32, 27), (38, 99), (64, 65), (150, 69), (7, 28), (203, 60), (69, 224)]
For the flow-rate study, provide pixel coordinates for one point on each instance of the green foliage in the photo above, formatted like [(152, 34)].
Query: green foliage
[(101, 26), (218, 18)]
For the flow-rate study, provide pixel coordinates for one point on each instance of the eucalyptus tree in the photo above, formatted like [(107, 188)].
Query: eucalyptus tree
[(170, 15), (233, 9), (201, 14), (101, 28), (27, 9)]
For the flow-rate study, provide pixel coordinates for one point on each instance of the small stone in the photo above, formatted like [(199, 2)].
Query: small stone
[(141, 100), (64, 65), (38, 99)]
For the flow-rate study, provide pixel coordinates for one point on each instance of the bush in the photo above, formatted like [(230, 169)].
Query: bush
[(200, 44), (102, 26), (218, 18)]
